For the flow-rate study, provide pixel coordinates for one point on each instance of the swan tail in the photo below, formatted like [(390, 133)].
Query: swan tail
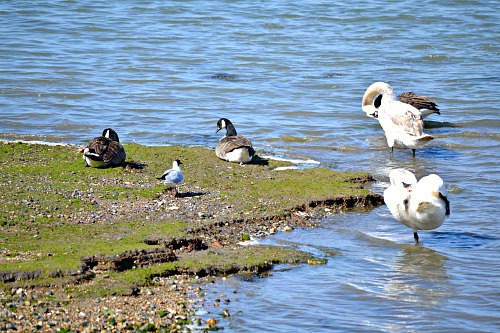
[(425, 138)]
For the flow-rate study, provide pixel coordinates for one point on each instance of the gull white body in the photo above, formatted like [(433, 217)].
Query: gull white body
[(174, 176)]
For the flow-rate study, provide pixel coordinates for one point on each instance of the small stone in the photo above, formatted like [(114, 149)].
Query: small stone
[(10, 327), (211, 321), (288, 228)]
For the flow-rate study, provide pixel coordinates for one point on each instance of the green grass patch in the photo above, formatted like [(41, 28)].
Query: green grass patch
[(54, 211)]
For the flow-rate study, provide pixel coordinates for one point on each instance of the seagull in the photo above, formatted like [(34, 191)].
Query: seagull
[(421, 205), (173, 177), (233, 147), (424, 104), (104, 151), (402, 123)]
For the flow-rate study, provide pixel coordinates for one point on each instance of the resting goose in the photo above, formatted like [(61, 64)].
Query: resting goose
[(421, 205), (402, 123), (173, 177), (104, 150), (233, 147)]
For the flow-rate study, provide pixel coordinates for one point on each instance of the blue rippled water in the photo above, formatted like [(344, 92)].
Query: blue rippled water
[(291, 75)]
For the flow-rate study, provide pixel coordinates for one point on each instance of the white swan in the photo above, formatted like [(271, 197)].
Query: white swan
[(424, 104), (173, 177), (104, 151), (233, 147), (421, 205), (402, 123)]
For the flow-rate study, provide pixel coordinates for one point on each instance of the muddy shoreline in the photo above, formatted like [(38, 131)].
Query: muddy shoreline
[(151, 250)]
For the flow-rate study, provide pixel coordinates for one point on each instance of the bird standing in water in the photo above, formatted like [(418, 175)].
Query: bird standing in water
[(421, 205)]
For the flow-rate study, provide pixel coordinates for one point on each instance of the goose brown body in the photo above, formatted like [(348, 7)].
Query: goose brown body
[(104, 151), (233, 147)]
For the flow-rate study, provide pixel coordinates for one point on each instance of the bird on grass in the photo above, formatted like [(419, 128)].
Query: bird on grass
[(421, 205), (104, 151), (173, 177), (401, 122), (233, 147)]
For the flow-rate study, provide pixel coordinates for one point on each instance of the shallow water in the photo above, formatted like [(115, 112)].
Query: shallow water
[(293, 75)]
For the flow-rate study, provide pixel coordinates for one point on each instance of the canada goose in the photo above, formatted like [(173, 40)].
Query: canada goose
[(104, 151), (421, 205), (233, 147), (173, 177), (402, 123)]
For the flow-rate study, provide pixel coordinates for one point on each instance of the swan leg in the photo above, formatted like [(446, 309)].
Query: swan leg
[(413, 150), (415, 235)]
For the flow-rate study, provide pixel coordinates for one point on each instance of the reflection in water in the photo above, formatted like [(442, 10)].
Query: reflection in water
[(419, 275)]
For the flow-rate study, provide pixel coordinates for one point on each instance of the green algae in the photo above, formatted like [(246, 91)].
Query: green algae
[(51, 206)]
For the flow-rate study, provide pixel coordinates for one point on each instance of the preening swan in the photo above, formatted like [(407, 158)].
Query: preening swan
[(424, 104), (104, 150), (233, 147), (421, 205), (402, 123)]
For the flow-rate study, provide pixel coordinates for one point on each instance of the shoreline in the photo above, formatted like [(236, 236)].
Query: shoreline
[(137, 241)]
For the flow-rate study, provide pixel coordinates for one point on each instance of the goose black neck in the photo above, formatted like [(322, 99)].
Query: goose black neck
[(230, 130)]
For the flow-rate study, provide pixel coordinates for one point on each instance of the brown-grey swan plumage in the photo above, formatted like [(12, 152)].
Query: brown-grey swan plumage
[(402, 123), (424, 104)]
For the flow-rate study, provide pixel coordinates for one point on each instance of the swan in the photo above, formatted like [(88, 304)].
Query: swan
[(233, 147), (421, 205), (104, 151), (424, 104), (173, 177), (402, 123)]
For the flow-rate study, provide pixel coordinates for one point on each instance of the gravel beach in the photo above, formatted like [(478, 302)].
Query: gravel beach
[(137, 255)]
